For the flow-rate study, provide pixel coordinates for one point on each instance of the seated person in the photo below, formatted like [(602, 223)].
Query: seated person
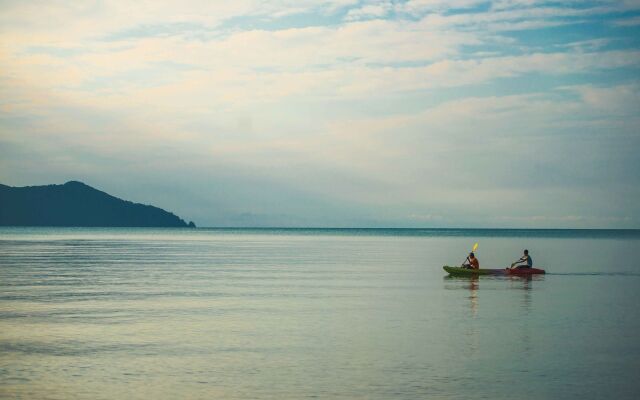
[(471, 262), (525, 261)]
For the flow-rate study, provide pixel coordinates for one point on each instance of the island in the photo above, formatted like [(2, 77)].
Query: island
[(77, 204)]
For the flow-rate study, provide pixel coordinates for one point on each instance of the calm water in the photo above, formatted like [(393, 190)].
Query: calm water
[(289, 314)]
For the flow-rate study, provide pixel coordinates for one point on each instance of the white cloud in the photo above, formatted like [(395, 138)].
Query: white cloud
[(369, 11), (633, 21), (400, 106)]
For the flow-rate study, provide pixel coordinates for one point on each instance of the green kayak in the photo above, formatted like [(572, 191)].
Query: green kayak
[(472, 272)]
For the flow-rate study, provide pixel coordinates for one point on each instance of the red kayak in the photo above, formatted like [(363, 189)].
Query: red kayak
[(524, 271)]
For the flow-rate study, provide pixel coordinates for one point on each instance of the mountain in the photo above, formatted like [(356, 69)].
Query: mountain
[(77, 204)]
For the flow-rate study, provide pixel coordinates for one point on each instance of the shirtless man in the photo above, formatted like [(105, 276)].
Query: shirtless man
[(471, 262)]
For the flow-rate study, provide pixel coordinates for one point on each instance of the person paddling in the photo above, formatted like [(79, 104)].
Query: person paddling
[(525, 261), (471, 262)]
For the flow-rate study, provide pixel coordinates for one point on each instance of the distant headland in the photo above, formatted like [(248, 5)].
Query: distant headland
[(77, 204)]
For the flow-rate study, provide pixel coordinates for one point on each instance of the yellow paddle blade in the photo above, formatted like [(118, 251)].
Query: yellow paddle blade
[(475, 246)]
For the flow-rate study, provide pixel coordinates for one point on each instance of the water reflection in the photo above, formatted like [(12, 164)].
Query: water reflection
[(473, 288), (525, 284), (470, 283), (517, 302)]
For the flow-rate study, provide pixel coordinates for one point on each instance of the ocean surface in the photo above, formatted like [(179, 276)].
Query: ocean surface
[(316, 313)]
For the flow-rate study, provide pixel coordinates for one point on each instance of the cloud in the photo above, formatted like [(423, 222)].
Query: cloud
[(413, 112), (632, 21), (369, 11), (420, 7)]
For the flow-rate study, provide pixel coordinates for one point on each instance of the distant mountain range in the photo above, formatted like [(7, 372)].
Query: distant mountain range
[(77, 204)]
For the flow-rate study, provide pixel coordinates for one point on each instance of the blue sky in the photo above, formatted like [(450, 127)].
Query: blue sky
[(519, 113)]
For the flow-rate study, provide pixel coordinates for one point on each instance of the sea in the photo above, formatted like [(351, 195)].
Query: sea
[(90, 313)]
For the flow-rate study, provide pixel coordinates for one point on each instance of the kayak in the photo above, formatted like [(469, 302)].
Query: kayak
[(472, 272), (524, 271), (486, 271)]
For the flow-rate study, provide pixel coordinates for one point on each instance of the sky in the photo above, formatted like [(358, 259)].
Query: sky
[(340, 113)]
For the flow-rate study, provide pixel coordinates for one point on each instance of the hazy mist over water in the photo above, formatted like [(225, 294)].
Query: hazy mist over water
[(276, 313)]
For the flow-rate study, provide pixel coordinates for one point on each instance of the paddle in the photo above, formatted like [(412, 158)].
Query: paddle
[(515, 262), (475, 246)]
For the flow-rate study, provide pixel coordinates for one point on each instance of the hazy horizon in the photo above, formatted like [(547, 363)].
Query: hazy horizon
[(341, 113)]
